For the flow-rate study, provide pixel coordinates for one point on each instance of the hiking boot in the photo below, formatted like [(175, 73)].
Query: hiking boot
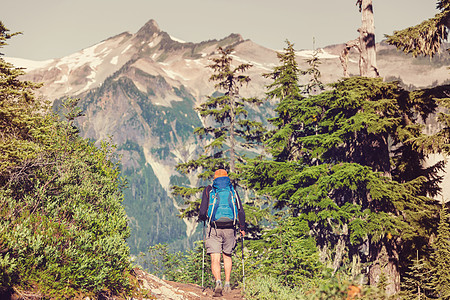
[(218, 289), (227, 288)]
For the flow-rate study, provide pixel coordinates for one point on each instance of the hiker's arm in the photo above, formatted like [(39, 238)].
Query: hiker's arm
[(241, 214), (204, 204)]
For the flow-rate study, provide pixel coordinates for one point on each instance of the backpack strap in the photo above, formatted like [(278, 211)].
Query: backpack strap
[(215, 197), (236, 197), (232, 199)]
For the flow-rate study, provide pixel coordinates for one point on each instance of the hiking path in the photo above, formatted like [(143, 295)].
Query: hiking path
[(165, 289)]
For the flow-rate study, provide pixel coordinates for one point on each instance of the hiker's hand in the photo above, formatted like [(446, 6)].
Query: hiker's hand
[(242, 232)]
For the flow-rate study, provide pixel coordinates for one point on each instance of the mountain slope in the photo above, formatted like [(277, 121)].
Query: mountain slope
[(141, 89)]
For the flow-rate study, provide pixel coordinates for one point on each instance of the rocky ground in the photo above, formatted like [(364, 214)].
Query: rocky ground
[(164, 289)]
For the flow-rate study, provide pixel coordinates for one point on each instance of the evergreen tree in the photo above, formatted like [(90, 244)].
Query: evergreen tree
[(342, 184), (416, 282), (227, 130), (438, 142), (427, 37), (20, 121), (314, 86), (286, 89), (441, 257), (284, 249)]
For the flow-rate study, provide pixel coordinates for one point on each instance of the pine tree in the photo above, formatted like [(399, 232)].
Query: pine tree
[(438, 142), (416, 283), (227, 130), (19, 119), (441, 257), (427, 37), (286, 89), (314, 86), (284, 249), (343, 183)]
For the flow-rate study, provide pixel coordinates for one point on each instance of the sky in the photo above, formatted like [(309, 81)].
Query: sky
[(57, 28)]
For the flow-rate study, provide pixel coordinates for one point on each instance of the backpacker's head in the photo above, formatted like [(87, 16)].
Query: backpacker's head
[(221, 179), (220, 173)]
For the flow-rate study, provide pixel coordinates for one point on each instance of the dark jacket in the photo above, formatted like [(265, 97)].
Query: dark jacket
[(205, 203)]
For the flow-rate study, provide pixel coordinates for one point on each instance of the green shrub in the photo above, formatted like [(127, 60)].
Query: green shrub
[(187, 266), (267, 287), (63, 228)]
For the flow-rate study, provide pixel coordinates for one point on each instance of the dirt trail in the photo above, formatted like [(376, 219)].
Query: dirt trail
[(164, 289)]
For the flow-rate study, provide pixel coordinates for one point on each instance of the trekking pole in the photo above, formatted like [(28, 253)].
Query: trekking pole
[(243, 273), (203, 257)]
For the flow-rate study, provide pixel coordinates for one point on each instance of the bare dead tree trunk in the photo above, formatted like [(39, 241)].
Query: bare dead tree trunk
[(344, 54), (232, 134), (367, 39), (365, 43), (232, 150)]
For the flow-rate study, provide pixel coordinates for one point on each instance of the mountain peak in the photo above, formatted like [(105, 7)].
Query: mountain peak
[(236, 36), (150, 28)]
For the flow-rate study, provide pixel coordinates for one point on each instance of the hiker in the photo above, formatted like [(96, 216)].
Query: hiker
[(221, 206)]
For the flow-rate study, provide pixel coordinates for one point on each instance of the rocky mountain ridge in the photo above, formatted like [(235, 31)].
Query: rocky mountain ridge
[(157, 53), (141, 89)]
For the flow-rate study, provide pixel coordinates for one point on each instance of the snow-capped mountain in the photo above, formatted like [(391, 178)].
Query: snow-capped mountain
[(141, 88), (150, 50), (156, 53)]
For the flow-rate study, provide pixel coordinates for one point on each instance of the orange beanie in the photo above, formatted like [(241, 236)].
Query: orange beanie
[(220, 173)]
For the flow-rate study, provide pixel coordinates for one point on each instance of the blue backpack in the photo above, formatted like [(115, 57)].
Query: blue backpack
[(223, 204)]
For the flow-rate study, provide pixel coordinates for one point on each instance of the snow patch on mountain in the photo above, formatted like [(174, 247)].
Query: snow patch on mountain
[(161, 171), (174, 75), (195, 63), (114, 60), (321, 54), (85, 56), (155, 41), (268, 67), (177, 40), (28, 64), (91, 76), (264, 66), (91, 81), (63, 79), (126, 49), (86, 87)]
